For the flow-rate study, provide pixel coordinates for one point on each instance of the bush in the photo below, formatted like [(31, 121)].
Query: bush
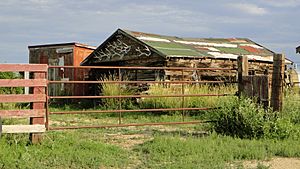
[(243, 118)]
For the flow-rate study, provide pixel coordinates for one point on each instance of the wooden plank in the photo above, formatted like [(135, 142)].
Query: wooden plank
[(23, 68), (256, 83), (23, 128), (265, 91), (13, 98), (247, 89), (22, 113), (0, 126), (23, 82)]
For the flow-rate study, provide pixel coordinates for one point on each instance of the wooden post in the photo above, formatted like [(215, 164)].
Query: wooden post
[(36, 138), (243, 69), (0, 126), (277, 81)]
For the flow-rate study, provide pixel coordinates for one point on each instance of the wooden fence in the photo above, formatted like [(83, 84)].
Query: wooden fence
[(267, 91), (37, 99)]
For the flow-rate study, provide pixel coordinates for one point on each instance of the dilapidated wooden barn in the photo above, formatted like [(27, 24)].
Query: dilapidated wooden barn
[(62, 54), (130, 48)]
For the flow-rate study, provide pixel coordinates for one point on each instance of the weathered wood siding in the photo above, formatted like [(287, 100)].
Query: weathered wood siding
[(52, 57), (62, 55), (258, 67)]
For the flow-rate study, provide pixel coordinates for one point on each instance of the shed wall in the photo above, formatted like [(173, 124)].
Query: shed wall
[(80, 54), (62, 55)]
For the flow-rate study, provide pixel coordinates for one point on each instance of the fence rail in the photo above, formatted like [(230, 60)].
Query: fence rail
[(139, 68), (37, 99), (141, 82), (182, 95)]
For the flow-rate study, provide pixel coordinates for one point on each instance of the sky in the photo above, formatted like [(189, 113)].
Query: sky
[(271, 23)]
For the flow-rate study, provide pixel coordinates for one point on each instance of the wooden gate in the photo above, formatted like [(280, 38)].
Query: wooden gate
[(257, 86), (37, 98)]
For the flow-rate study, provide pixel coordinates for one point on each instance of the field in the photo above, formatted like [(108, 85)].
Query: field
[(242, 136)]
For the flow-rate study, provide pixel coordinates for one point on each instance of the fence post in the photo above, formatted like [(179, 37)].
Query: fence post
[(277, 82), (0, 126), (36, 138), (243, 69)]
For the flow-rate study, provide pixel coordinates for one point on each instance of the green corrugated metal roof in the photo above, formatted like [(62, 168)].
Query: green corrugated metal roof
[(216, 47)]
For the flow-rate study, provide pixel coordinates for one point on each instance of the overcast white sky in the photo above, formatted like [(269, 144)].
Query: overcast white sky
[(271, 23)]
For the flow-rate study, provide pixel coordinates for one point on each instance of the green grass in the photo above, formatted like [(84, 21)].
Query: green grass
[(61, 150), (90, 148), (181, 146), (203, 101), (211, 152)]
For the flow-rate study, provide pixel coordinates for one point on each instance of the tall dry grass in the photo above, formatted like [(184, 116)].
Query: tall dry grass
[(197, 101)]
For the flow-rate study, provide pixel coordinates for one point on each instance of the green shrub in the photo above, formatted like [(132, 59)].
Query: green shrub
[(243, 118), (291, 106)]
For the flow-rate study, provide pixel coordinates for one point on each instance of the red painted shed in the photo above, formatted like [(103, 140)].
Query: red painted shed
[(63, 54)]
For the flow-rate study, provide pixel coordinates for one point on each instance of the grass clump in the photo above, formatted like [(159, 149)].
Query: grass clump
[(114, 89)]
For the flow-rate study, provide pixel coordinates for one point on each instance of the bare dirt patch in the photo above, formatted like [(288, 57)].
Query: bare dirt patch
[(127, 141), (274, 163)]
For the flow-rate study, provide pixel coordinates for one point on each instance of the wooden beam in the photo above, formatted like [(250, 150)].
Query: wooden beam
[(23, 128), (23, 82), (23, 68), (22, 113), (243, 69), (277, 81), (0, 126), (36, 138), (14, 98)]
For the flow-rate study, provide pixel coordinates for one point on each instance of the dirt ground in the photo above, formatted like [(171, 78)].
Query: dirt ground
[(275, 163)]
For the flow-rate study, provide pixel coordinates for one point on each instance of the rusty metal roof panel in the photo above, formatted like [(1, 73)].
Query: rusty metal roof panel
[(229, 48), (62, 44)]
